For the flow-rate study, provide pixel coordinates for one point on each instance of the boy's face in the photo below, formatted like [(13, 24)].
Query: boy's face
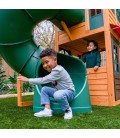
[(91, 47), (49, 62)]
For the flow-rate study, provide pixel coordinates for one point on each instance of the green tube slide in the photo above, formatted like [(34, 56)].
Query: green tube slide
[(22, 54)]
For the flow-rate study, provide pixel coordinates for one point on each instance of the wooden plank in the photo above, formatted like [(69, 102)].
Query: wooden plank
[(63, 36), (115, 34), (82, 45), (111, 21), (99, 81), (56, 38), (98, 87), (117, 87), (113, 15), (99, 100), (117, 81), (80, 33), (66, 30), (87, 20), (77, 26), (113, 18), (74, 52), (74, 27), (92, 32), (98, 92), (27, 103), (117, 77), (117, 95), (100, 70), (65, 40), (19, 92), (97, 76)]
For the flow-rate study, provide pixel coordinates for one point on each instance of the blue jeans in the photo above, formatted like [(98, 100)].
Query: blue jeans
[(63, 97)]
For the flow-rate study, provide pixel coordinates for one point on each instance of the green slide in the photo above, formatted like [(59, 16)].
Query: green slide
[(22, 54)]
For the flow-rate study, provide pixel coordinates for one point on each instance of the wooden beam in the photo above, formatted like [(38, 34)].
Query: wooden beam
[(87, 20), (115, 35), (19, 91), (78, 34), (66, 29), (109, 59), (27, 103), (100, 70), (56, 39)]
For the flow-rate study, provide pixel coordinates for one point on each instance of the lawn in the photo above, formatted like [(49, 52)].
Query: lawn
[(12, 117)]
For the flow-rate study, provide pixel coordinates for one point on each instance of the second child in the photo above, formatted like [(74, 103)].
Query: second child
[(92, 58)]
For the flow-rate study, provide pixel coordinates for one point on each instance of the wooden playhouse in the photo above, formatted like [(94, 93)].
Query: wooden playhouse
[(101, 25)]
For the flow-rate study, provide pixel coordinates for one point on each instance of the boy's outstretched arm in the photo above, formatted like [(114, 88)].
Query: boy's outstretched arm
[(22, 78)]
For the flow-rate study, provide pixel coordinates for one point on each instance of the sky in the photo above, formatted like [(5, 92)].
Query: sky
[(63, 4)]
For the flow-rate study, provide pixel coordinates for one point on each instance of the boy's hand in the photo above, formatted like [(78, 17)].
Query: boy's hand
[(22, 78), (96, 68)]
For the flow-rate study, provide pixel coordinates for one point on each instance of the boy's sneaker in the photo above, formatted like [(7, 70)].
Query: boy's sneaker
[(44, 113), (68, 113)]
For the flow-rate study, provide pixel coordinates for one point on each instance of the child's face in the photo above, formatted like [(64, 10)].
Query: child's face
[(49, 62), (91, 47)]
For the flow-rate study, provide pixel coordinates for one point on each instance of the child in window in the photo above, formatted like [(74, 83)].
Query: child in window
[(92, 58), (63, 90)]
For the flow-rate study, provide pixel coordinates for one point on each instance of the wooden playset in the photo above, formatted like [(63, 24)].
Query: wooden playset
[(102, 26)]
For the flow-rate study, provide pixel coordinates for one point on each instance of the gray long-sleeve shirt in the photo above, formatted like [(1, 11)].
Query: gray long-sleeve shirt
[(59, 78)]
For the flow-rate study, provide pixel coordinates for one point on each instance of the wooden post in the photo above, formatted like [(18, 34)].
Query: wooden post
[(115, 16), (109, 59), (87, 19), (19, 91), (56, 39), (66, 30)]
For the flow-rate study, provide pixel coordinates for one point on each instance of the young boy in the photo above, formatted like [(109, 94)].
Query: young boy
[(63, 90), (92, 57)]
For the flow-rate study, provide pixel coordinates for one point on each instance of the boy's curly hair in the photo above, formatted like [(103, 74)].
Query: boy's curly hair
[(48, 52)]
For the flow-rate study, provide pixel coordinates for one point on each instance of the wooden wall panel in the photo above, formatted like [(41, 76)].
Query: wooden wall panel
[(98, 93), (97, 76), (98, 86), (98, 82), (100, 100), (117, 87)]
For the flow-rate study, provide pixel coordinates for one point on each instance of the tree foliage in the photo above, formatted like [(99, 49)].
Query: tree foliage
[(44, 34), (3, 86)]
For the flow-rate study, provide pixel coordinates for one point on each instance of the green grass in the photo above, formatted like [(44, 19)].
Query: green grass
[(12, 117)]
